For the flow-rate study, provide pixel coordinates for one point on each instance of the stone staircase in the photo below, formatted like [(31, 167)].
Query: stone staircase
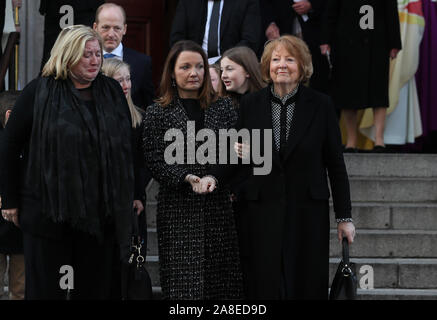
[(395, 210)]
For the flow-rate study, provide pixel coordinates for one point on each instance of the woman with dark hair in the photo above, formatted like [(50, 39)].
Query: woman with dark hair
[(72, 189), (197, 240), (240, 73)]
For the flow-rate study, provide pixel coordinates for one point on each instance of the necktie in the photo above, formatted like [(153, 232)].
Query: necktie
[(213, 30), (283, 130), (109, 55)]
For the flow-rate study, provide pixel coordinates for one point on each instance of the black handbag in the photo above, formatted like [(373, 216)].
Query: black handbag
[(135, 280), (344, 286)]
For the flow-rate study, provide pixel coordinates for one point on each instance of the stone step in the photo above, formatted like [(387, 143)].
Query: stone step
[(371, 215), (392, 215), (152, 190), (391, 165), (152, 266), (393, 273), (389, 244), (368, 243), (374, 294), (152, 242), (387, 273), (373, 189), (397, 294)]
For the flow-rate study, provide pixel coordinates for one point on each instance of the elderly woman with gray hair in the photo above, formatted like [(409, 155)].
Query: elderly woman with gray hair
[(72, 189), (284, 226)]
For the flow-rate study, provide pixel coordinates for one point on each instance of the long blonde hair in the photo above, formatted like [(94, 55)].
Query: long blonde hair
[(109, 68), (68, 50)]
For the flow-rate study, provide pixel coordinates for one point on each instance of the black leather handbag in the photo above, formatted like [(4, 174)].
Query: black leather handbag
[(136, 282), (344, 285)]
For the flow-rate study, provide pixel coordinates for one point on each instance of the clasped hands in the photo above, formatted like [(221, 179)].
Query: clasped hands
[(207, 184), (204, 185)]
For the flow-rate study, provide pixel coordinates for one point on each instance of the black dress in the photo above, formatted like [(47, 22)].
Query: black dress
[(361, 57), (49, 245), (197, 240)]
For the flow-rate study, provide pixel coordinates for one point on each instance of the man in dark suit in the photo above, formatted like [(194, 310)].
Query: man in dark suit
[(60, 13), (111, 25), (217, 25), (279, 17)]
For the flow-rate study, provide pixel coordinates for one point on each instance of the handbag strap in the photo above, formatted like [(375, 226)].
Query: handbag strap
[(135, 228), (345, 251)]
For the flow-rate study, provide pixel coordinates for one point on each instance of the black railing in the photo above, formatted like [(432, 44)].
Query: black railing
[(9, 61)]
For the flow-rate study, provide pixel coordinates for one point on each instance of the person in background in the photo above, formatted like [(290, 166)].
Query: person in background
[(361, 59), (214, 72), (110, 23), (285, 229), (197, 239), (71, 12), (240, 73), (304, 19), (217, 25), (11, 237), (120, 71), (73, 198)]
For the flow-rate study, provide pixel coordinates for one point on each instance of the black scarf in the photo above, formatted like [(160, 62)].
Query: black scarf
[(83, 173)]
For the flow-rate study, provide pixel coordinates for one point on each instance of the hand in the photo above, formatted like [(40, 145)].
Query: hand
[(394, 53), (272, 31), (138, 204), (11, 215), (17, 3), (346, 229), (207, 185), (194, 181), (325, 48), (242, 150), (302, 7)]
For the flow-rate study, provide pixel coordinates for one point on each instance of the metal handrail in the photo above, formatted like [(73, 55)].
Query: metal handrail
[(9, 60)]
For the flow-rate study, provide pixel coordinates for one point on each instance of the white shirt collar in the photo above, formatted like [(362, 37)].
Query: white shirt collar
[(117, 51)]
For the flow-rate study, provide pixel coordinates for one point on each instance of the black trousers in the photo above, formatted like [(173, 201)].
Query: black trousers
[(92, 262), (320, 79)]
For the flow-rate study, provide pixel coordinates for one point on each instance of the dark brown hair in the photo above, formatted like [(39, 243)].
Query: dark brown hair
[(168, 92), (246, 58)]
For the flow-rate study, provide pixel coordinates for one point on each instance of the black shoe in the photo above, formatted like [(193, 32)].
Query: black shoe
[(379, 149), (350, 150)]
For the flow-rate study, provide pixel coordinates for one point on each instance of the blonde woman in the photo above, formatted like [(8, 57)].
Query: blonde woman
[(72, 189), (120, 71)]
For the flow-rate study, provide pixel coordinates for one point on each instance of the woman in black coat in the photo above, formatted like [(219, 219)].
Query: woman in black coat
[(197, 240), (71, 191), (363, 36), (285, 223)]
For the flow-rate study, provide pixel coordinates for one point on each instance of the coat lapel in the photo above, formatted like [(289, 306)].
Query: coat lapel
[(178, 115), (203, 9), (266, 122), (228, 8), (304, 113)]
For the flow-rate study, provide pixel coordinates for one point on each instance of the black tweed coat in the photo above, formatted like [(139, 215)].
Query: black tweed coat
[(197, 240)]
